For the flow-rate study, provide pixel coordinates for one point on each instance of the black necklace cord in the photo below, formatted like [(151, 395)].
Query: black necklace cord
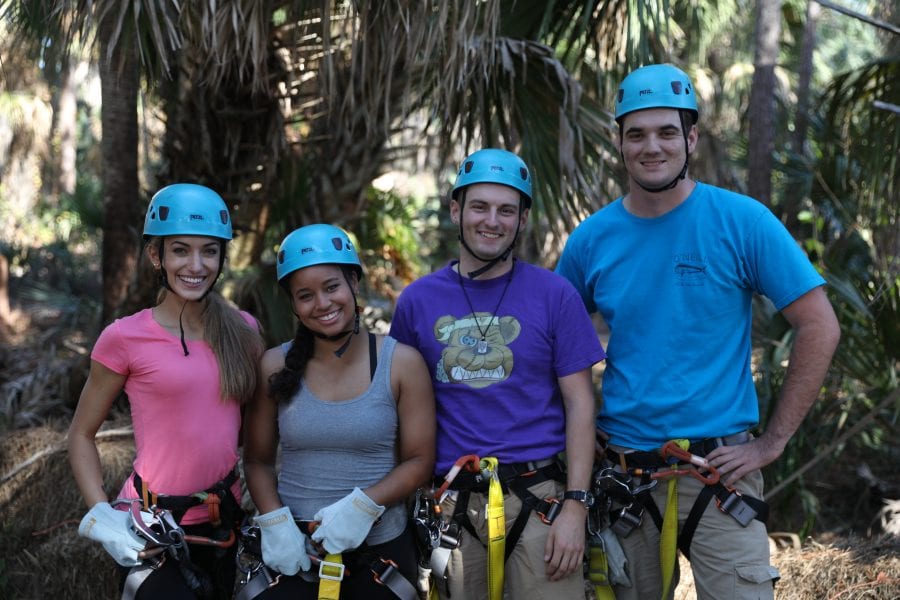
[(340, 351), (181, 328), (481, 348)]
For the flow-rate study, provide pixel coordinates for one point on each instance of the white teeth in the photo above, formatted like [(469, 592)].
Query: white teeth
[(461, 374), (192, 280), (329, 317), (492, 236)]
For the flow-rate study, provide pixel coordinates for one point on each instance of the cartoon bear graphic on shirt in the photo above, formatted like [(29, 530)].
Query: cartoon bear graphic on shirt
[(477, 352)]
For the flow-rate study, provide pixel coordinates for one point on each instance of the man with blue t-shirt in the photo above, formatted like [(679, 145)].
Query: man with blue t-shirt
[(672, 267), (510, 348)]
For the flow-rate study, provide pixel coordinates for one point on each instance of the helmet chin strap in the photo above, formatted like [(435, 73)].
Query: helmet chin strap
[(489, 262), (164, 282), (672, 183), (349, 333), (687, 157)]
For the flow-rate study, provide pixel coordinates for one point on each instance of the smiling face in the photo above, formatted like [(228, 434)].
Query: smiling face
[(490, 218), (191, 263), (323, 299), (653, 146)]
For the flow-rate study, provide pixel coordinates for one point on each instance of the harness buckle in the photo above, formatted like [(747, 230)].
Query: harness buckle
[(551, 512), (333, 571), (383, 569), (628, 520), (735, 506)]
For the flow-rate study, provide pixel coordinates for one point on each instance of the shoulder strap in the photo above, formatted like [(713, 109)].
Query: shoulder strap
[(373, 356)]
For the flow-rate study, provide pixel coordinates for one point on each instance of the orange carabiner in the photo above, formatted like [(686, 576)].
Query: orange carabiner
[(670, 448), (469, 462)]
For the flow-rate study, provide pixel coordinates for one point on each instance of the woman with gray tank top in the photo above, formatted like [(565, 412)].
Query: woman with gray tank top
[(353, 415)]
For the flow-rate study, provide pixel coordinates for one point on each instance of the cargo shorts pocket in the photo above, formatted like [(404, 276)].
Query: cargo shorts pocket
[(755, 581)]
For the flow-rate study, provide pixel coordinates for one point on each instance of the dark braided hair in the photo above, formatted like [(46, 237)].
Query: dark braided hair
[(284, 384)]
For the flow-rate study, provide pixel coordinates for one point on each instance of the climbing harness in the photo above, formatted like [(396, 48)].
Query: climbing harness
[(439, 536), (436, 538), (161, 530), (221, 505), (329, 571), (628, 484), (155, 517)]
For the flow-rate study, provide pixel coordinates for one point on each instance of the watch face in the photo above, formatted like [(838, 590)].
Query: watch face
[(582, 496)]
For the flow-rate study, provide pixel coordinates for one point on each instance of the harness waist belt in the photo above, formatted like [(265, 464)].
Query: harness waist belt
[(476, 482), (643, 459), (182, 503), (512, 470)]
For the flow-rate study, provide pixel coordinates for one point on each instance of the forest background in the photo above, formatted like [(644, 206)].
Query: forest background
[(356, 113)]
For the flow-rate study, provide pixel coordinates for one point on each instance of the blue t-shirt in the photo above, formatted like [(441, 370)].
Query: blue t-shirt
[(676, 293), (501, 397)]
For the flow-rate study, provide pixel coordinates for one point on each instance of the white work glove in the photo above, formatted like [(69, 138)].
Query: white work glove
[(283, 544), (113, 529), (345, 524)]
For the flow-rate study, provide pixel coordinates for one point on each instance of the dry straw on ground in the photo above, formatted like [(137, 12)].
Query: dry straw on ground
[(43, 557), (844, 569)]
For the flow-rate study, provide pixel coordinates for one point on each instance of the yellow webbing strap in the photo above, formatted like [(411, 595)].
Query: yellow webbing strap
[(330, 578), (598, 573), (496, 522), (668, 538)]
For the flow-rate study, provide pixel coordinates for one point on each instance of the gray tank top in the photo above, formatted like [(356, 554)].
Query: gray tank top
[(328, 448)]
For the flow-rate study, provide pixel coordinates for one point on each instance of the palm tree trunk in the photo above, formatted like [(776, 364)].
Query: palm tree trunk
[(761, 114), (66, 130), (119, 151), (797, 190)]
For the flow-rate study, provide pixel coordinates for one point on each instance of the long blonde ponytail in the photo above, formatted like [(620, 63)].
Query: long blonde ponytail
[(236, 345)]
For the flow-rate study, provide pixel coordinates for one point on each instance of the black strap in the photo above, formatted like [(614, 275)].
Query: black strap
[(741, 508), (373, 356), (178, 505), (460, 515), (515, 478), (690, 524)]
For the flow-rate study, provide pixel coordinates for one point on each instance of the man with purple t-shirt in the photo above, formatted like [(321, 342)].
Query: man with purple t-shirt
[(510, 347)]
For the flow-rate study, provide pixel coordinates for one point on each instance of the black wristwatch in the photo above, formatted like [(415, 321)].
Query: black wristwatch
[(583, 496)]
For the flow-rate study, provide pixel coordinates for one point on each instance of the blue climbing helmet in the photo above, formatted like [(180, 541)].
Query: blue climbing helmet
[(187, 209), (318, 244), (656, 86), (493, 165)]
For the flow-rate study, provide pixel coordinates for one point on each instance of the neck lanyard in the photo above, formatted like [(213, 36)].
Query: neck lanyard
[(482, 345)]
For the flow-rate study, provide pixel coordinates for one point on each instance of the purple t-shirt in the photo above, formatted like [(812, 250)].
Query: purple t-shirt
[(500, 396)]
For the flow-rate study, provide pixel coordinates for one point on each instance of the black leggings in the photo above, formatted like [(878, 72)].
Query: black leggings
[(359, 584), (216, 565)]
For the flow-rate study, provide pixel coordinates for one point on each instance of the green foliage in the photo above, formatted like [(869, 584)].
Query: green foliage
[(851, 230)]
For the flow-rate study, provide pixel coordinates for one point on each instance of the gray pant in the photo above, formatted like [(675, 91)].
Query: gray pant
[(728, 561)]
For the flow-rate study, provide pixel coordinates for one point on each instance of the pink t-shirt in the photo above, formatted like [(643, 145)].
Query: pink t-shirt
[(185, 435)]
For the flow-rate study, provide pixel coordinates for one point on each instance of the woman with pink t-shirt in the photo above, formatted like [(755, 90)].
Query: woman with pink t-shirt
[(186, 365)]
